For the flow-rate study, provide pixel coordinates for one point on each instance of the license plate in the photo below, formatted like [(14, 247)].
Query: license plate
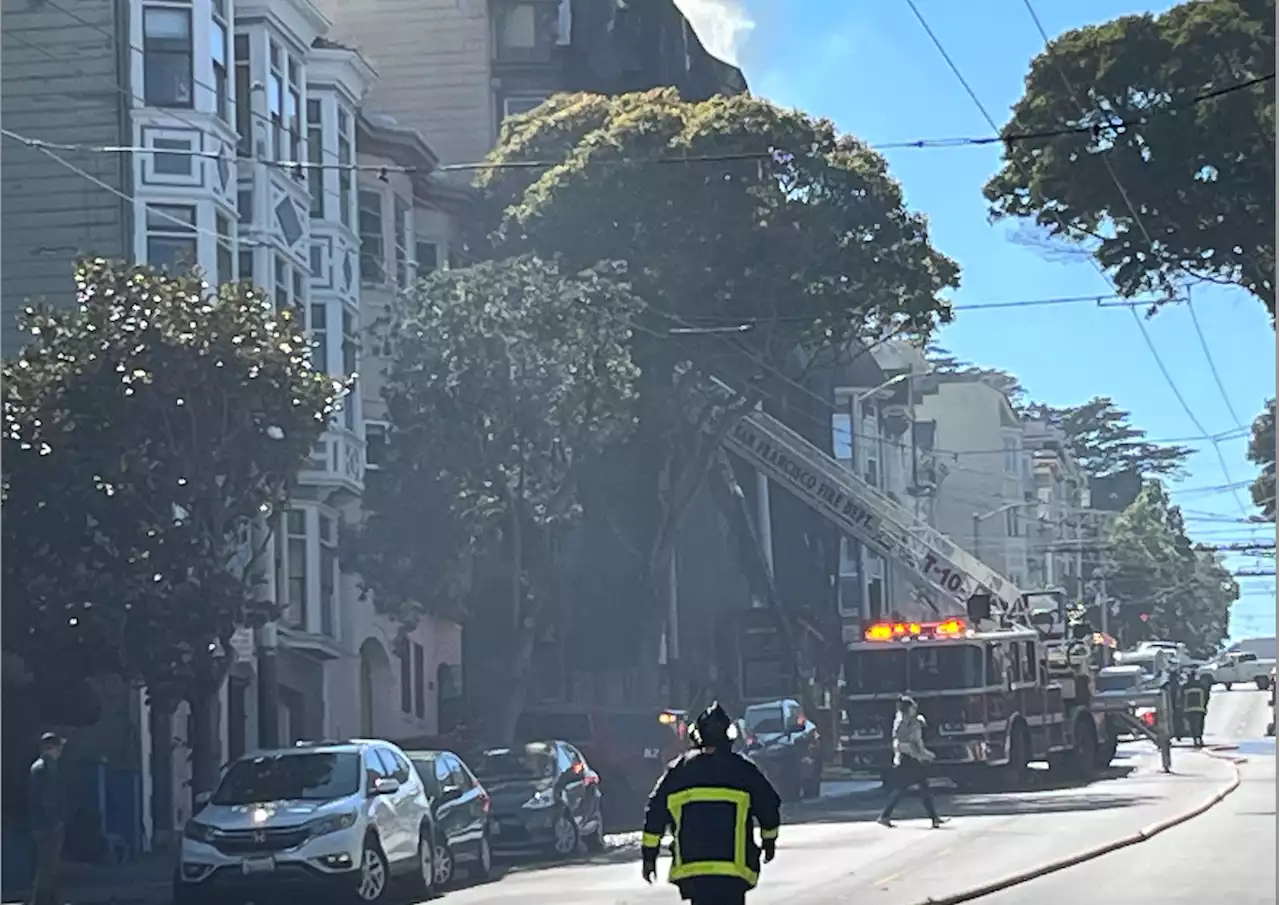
[(652, 753), (258, 865)]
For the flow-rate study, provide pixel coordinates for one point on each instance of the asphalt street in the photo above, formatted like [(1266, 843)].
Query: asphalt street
[(832, 851)]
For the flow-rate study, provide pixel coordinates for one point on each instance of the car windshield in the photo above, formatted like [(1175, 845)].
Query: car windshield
[(938, 668), (764, 718), (1119, 681), (529, 762), (317, 776), (876, 672)]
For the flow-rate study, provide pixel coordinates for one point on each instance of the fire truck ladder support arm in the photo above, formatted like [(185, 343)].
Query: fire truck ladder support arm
[(866, 514)]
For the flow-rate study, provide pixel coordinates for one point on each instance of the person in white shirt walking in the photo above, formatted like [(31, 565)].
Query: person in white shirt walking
[(910, 758)]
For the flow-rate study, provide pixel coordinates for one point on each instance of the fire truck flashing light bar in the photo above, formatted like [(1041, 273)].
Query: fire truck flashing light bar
[(898, 631)]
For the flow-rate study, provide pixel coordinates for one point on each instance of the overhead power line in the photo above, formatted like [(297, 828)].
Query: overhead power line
[(1151, 246)]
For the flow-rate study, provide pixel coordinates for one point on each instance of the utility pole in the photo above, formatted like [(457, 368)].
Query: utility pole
[(1104, 613)]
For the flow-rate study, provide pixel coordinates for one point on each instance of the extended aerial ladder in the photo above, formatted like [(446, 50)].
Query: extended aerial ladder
[(870, 516)]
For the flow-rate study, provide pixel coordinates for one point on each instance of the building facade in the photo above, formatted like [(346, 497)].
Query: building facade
[(986, 504), (242, 131), (454, 69)]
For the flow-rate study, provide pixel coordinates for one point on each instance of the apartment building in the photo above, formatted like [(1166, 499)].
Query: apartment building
[(1063, 519), (212, 107), (986, 504), (453, 69), (877, 434)]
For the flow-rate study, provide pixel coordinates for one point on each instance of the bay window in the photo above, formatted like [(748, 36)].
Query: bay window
[(244, 102), (372, 250), (293, 116), (289, 286), (171, 236), (275, 100), (402, 213), (226, 256), (218, 54), (328, 574), (320, 337), (315, 157), (168, 72), (344, 167), (349, 367), (292, 552)]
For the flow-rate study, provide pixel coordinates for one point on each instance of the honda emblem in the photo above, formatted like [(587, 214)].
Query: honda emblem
[(259, 836)]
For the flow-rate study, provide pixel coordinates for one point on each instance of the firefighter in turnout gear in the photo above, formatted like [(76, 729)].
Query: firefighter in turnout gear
[(1195, 705), (709, 799)]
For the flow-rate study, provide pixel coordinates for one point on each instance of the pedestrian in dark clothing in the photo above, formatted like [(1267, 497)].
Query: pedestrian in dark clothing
[(909, 759), (46, 798)]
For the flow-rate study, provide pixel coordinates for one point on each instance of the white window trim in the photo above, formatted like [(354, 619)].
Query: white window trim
[(194, 142), (384, 221), (197, 37), (312, 604)]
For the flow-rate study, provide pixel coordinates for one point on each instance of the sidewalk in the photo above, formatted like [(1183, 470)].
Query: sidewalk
[(146, 881)]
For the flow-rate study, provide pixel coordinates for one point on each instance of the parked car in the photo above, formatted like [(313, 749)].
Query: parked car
[(1242, 667), (544, 797), (629, 748), (460, 814), (322, 818), (784, 743)]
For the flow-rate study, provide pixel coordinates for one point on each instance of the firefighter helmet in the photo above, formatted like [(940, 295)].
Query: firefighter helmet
[(712, 727)]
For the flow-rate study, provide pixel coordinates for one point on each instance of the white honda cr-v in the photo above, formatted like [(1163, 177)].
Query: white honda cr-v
[(345, 817)]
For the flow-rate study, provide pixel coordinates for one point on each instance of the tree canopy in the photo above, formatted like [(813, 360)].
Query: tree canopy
[(506, 379), (775, 222), (748, 232), (145, 430), (1262, 452), (1198, 173), (1105, 443), (1160, 585)]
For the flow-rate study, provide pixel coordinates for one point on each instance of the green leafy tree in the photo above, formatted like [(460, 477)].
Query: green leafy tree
[(946, 366), (1159, 584), (1200, 173), (505, 380), (1104, 442), (749, 232), (146, 430), (1262, 452)]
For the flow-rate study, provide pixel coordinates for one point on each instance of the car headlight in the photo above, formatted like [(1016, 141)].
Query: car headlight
[(542, 799), (333, 823), (200, 832)]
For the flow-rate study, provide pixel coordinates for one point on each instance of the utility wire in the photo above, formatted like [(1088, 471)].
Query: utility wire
[(1213, 368), (1151, 245)]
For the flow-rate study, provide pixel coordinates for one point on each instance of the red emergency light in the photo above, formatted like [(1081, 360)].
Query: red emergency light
[(897, 631)]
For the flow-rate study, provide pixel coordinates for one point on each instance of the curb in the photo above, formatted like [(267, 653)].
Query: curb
[(1217, 752)]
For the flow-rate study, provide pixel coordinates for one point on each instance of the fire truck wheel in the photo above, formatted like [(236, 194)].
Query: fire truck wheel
[(1016, 775), (1085, 753), (1107, 752)]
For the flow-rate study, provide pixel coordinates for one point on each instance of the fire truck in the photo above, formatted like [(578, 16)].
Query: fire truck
[(1004, 683), (995, 699)]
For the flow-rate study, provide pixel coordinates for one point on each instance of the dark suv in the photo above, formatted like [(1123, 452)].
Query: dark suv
[(784, 743), (629, 749)]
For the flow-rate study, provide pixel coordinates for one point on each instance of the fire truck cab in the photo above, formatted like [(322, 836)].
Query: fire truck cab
[(991, 703)]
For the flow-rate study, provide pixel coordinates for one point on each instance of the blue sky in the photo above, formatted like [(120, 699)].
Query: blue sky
[(869, 66)]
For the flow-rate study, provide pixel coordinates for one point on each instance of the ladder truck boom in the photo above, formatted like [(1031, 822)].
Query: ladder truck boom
[(867, 514)]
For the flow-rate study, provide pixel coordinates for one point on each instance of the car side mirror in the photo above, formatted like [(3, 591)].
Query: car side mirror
[(387, 785), (203, 798)]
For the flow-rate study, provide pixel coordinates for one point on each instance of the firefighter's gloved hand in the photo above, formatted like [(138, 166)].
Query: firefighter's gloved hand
[(770, 848), (649, 870)]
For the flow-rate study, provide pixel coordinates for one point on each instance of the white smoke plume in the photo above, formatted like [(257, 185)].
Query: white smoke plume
[(721, 25)]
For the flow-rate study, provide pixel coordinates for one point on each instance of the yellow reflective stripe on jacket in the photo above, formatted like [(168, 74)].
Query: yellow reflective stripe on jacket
[(741, 802), (712, 869), (769, 834), (650, 840), (1193, 700)]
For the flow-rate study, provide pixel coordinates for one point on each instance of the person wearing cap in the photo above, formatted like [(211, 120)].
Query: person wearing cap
[(909, 759), (46, 800)]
